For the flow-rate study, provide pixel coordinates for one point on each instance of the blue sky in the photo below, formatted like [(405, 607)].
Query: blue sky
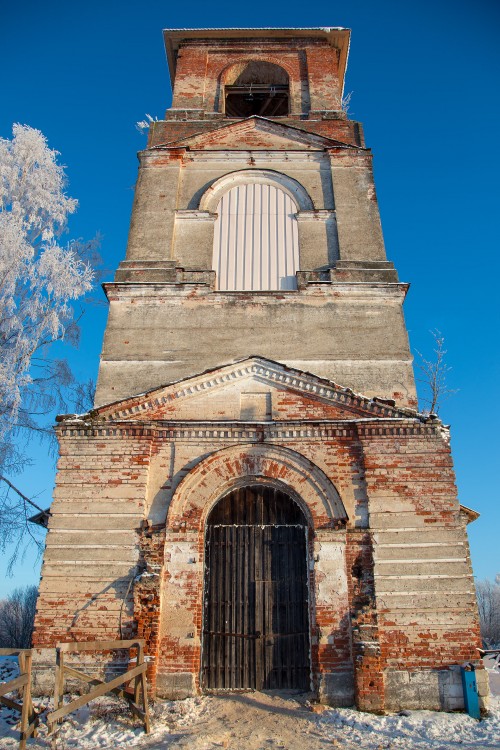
[(424, 77)]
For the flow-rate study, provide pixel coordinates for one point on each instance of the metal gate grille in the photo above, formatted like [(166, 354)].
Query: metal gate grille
[(256, 619)]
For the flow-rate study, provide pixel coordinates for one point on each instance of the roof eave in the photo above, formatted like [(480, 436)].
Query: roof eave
[(336, 36), (470, 514)]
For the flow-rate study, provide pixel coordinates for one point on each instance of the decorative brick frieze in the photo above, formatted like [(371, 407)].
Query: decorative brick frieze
[(241, 432)]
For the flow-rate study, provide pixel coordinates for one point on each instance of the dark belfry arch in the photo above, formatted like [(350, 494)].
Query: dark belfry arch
[(256, 604), (256, 87)]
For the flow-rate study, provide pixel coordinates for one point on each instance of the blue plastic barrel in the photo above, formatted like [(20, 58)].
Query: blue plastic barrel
[(471, 696)]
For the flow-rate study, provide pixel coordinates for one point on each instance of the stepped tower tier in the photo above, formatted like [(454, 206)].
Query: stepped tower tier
[(255, 227)]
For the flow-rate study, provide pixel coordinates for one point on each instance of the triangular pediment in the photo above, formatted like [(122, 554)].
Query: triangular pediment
[(257, 133), (254, 389)]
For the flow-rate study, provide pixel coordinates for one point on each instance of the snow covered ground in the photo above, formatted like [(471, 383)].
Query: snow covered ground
[(255, 721)]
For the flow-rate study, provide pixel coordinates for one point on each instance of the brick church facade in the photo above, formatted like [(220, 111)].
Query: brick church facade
[(255, 492)]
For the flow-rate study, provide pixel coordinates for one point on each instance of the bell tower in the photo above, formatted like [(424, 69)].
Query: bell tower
[(253, 493), (255, 227)]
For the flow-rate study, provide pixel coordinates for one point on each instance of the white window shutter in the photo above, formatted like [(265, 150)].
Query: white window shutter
[(256, 243)]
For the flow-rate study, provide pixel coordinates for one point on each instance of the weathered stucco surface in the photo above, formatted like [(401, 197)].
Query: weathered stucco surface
[(388, 550), (262, 388), (344, 322), (157, 334)]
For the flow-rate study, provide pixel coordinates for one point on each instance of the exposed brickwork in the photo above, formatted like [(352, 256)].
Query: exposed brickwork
[(413, 479), (368, 661), (391, 596), (170, 131), (154, 490), (147, 594), (202, 67)]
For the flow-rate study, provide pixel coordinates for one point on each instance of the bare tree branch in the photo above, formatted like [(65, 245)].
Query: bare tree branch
[(488, 602), (434, 375), (17, 615), (16, 531)]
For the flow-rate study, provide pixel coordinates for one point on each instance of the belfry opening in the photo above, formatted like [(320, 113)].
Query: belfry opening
[(256, 88), (256, 604)]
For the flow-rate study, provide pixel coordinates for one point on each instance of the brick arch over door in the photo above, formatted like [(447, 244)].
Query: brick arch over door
[(275, 466)]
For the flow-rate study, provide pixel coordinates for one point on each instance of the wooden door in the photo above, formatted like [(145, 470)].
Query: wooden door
[(256, 613)]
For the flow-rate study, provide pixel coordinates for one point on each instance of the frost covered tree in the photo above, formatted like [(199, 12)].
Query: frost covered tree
[(40, 278)]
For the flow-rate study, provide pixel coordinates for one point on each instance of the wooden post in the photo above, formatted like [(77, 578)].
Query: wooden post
[(25, 711), (31, 712), (137, 681), (58, 683), (145, 706), (29, 719), (100, 687)]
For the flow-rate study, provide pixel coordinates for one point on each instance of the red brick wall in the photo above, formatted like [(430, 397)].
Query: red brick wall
[(170, 130), (201, 69), (392, 477), (368, 664), (429, 619)]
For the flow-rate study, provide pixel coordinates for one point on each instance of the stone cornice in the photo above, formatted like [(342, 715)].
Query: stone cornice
[(247, 432), (156, 155), (270, 155), (338, 289)]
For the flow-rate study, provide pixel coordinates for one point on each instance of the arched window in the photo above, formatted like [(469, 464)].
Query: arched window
[(256, 243), (256, 88)]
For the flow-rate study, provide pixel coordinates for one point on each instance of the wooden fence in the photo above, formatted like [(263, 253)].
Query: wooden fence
[(29, 719), (100, 687)]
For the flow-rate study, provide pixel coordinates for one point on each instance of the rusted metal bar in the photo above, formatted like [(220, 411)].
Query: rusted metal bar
[(234, 635)]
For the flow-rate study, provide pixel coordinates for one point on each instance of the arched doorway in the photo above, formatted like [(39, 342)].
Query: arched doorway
[(256, 608)]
